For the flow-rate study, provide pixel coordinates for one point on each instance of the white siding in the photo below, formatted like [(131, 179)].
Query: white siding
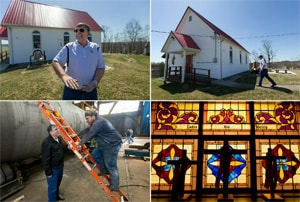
[(52, 40), (210, 56)]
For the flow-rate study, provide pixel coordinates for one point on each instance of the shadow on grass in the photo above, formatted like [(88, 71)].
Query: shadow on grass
[(216, 90), (235, 84), (278, 88), (176, 88)]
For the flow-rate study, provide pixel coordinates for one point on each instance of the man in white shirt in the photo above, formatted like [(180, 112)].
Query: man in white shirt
[(264, 72), (85, 66)]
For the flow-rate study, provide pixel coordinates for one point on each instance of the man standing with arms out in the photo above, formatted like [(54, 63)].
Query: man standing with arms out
[(264, 72), (85, 69), (109, 142), (53, 162)]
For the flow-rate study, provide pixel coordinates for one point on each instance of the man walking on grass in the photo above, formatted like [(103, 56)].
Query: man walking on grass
[(264, 72)]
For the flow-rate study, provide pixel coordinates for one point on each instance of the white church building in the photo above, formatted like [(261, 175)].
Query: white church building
[(30, 26), (198, 46)]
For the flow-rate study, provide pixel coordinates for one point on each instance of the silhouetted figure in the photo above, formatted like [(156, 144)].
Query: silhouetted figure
[(225, 159), (181, 166), (271, 172)]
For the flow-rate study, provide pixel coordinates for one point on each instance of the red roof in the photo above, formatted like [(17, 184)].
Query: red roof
[(3, 32), (26, 13), (213, 27), (185, 41)]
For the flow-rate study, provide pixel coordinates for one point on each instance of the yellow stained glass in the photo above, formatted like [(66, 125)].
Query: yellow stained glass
[(226, 116), (159, 147)]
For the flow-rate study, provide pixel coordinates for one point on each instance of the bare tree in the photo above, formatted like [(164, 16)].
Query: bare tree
[(132, 30), (254, 55), (107, 39), (268, 51)]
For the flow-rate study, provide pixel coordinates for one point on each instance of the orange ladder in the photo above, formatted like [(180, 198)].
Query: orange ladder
[(71, 138)]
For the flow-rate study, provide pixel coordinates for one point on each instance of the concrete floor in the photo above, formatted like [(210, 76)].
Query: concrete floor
[(79, 185)]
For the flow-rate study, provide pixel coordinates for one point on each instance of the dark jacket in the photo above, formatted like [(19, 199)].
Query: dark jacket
[(103, 131), (52, 154)]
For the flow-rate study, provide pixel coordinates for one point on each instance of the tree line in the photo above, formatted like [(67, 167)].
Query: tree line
[(133, 40)]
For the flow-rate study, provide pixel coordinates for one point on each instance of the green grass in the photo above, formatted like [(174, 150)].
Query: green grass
[(129, 79), (189, 91)]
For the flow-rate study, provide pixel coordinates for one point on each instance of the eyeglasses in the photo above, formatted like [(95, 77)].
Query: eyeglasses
[(80, 30)]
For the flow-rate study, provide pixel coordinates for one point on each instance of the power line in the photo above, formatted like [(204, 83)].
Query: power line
[(248, 37), (268, 36)]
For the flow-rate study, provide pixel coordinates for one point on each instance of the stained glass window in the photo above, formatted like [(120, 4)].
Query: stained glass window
[(239, 173), (220, 117), (171, 118), (162, 173), (250, 126), (279, 117), (288, 170)]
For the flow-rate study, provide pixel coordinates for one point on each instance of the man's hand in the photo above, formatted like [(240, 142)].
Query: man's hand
[(70, 82), (90, 87), (70, 146), (78, 145), (49, 176)]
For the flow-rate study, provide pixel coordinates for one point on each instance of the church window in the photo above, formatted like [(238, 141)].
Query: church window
[(66, 38), (171, 118), (240, 57), (225, 118), (252, 127), (230, 55), (190, 18), (36, 39)]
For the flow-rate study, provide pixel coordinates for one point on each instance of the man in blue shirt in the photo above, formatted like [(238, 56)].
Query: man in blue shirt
[(109, 142), (264, 72), (85, 66)]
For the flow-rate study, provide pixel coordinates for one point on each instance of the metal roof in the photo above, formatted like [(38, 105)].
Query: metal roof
[(186, 41), (3, 32), (26, 13), (212, 26)]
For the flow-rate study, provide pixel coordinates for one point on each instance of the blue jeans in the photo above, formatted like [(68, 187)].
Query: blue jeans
[(107, 158), (129, 139), (264, 73), (70, 94), (54, 183)]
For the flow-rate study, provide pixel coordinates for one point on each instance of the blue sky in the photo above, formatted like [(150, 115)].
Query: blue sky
[(244, 20), (112, 13)]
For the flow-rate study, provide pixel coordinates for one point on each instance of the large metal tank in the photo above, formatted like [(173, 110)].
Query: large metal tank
[(23, 127)]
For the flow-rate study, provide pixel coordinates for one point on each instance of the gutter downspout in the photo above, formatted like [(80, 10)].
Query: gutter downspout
[(165, 67), (221, 68), (10, 45), (215, 58), (183, 66)]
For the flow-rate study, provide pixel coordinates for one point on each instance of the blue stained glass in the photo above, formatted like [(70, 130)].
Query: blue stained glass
[(235, 171), (168, 166)]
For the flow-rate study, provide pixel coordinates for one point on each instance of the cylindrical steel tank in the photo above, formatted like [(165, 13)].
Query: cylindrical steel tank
[(23, 127)]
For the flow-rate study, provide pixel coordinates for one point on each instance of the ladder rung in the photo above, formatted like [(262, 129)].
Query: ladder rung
[(94, 166)]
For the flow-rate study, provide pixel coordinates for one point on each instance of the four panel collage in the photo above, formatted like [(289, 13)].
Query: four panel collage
[(150, 100)]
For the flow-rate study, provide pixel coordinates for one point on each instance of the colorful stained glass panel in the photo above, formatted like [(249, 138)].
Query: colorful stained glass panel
[(275, 116), (177, 116), (160, 167), (226, 116)]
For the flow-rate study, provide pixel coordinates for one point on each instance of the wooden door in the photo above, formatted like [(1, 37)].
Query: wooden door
[(189, 64)]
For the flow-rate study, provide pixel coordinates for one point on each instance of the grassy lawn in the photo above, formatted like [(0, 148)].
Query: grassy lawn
[(127, 79), (189, 91)]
